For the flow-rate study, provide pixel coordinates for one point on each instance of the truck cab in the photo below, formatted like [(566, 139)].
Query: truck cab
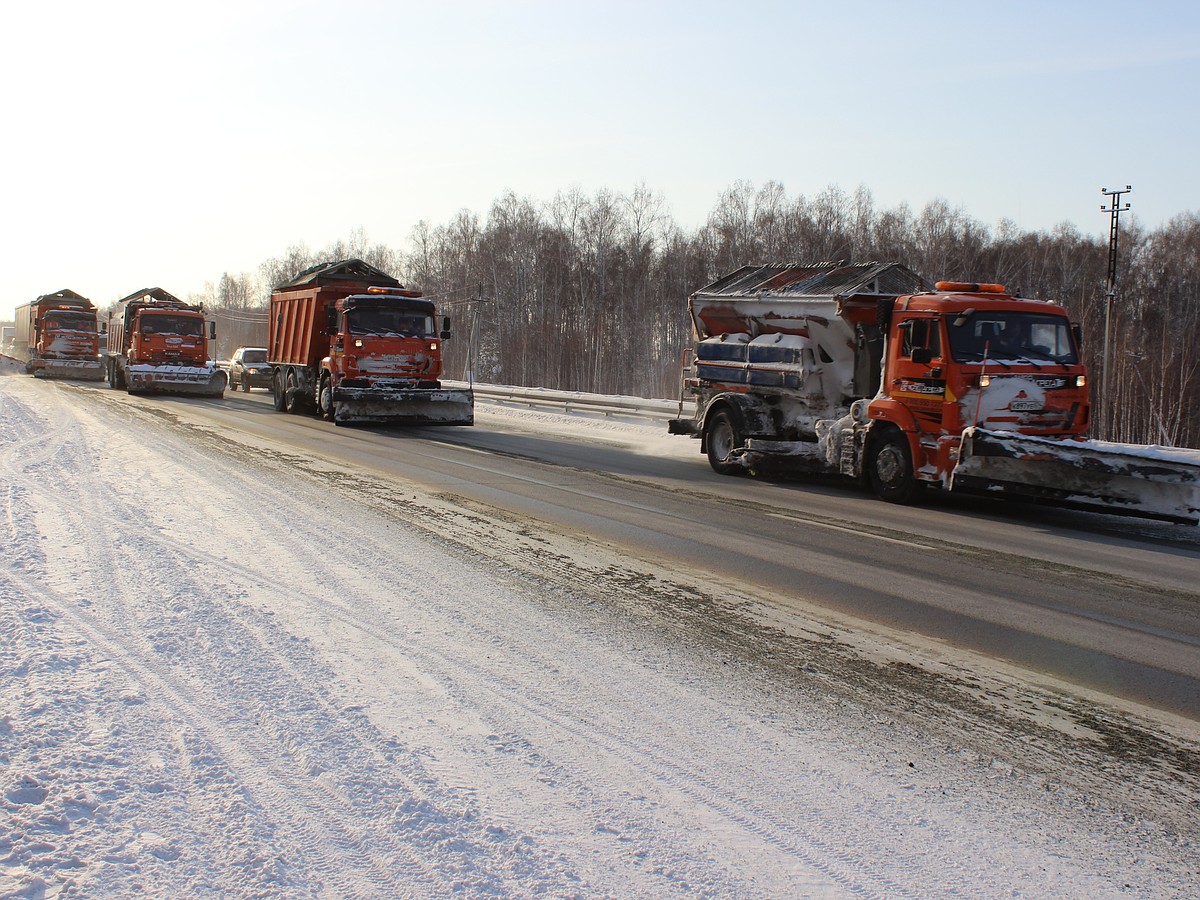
[(57, 336), (969, 355), (158, 343), (174, 337)]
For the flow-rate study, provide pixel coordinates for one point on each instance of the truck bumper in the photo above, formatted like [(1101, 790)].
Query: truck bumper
[(418, 406), (205, 381), (1123, 479)]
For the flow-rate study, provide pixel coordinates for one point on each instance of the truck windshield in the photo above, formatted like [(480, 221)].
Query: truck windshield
[(189, 326), (1011, 337), (389, 322), (69, 322)]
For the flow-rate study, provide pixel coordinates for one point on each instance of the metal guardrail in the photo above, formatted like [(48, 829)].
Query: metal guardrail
[(573, 401)]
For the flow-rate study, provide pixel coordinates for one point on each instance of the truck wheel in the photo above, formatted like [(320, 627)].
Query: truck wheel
[(722, 438), (325, 400), (277, 393), (295, 403), (890, 469)]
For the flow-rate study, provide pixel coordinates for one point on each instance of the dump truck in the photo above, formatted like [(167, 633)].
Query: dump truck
[(350, 343), (158, 344), (859, 371), (56, 336)]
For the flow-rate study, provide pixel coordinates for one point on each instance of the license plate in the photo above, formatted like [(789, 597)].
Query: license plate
[(1025, 405)]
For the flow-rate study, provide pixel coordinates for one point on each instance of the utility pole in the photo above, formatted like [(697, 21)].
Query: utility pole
[(1114, 209), (473, 343)]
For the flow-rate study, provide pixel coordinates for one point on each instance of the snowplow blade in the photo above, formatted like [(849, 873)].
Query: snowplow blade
[(417, 406), (81, 369), (193, 380), (1123, 479)]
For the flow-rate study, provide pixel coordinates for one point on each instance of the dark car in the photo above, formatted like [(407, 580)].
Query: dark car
[(248, 368)]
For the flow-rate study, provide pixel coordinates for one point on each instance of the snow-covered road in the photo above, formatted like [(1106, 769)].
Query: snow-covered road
[(225, 673)]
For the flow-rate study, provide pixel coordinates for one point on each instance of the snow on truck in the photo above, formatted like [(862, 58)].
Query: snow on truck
[(157, 343), (348, 342), (56, 336), (857, 370)]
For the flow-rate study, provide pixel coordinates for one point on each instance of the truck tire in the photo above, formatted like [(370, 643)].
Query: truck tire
[(721, 437), (890, 468), (291, 397), (279, 397), (325, 402)]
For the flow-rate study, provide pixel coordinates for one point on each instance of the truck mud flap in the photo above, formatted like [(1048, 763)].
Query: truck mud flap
[(417, 406), (1122, 479)]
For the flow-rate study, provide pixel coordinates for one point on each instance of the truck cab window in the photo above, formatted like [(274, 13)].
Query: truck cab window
[(922, 334)]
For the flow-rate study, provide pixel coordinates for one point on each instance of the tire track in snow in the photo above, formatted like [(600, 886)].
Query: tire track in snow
[(142, 558), (289, 799)]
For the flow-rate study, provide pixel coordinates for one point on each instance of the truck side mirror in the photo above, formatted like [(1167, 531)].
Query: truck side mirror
[(922, 355), (1077, 330), (331, 322), (212, 331), (445, 335)]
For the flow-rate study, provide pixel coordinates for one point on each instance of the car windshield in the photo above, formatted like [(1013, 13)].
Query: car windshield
[(1011, 337), (389, 322), (254, 356), (185, 325)]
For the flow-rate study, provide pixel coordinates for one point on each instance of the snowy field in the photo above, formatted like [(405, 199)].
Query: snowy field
[(221, 678)]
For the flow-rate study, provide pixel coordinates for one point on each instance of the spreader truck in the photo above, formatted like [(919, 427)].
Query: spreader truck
[(157, 343), (350, 343), (56, 337), (859, 371)]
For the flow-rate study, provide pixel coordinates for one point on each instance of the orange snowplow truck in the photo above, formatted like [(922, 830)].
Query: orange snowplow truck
[(159, 344), (854, 370), (56, 337), (348, 342)]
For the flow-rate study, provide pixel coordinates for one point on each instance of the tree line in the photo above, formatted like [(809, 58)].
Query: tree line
[(589, 292)]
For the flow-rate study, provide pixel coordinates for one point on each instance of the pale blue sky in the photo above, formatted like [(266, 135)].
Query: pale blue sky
[(148, 145)]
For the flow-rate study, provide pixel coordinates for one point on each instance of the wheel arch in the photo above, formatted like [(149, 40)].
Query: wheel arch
[(750, 414)]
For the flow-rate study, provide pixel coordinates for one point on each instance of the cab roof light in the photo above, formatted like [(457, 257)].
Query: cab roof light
[(395, 292), (969, 287)]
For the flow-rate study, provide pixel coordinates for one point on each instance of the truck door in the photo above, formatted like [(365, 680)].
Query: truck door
[(917, 374)]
